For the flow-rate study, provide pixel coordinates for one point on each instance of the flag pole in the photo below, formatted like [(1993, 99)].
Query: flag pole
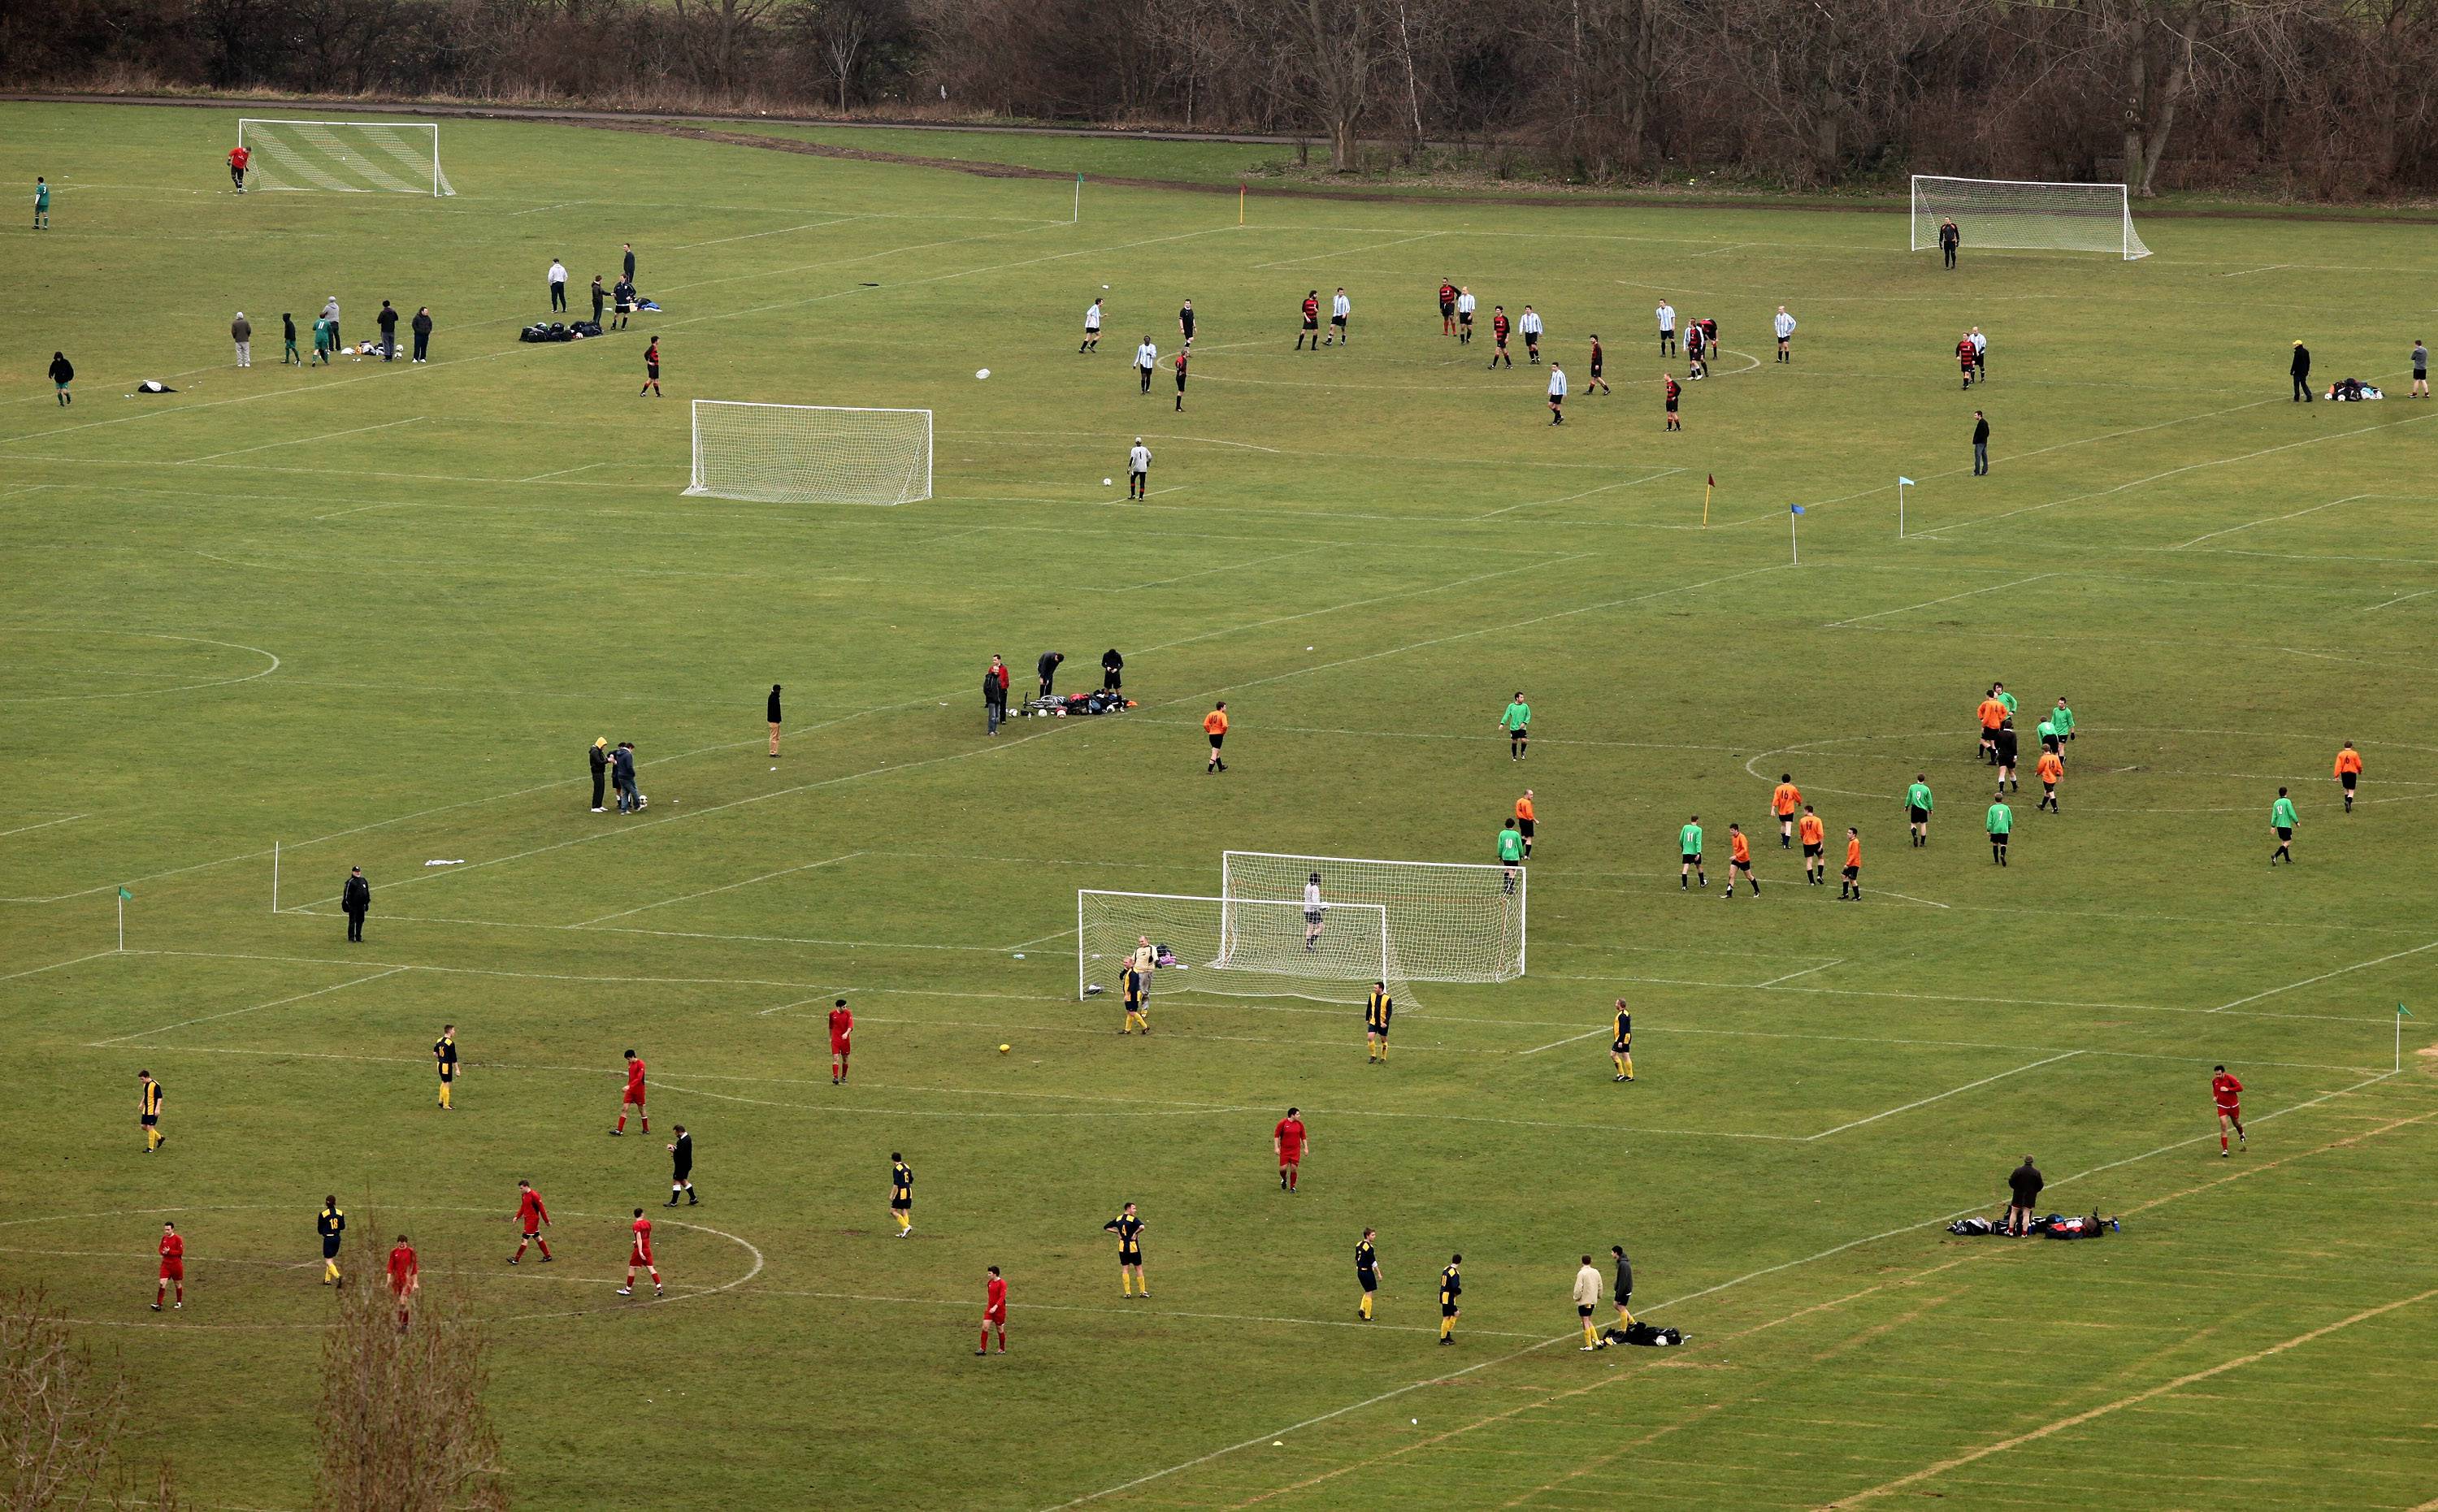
[(1793, 546), (1239, 204), (1079, 200), (274, 876), (1713, 483), (122, 938), (1901, 481)]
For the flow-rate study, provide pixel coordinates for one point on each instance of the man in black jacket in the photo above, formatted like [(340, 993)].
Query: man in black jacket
[(2302, 371), (2024, 1185), (1980, 445), (1949, 239), (1048, 668), (773, 712), (1112, 668), (387, 320), (600, 754), (1624, 1285), (421, 326), (355, 901), (62, 374), (993, 696)]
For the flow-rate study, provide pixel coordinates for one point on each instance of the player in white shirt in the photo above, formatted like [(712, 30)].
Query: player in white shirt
[(1667, 313), (1313, 910), (1557, 393), (1464, 316), (1091, 328), (1980, 357), (1340, 308), (1137, 469), (1785, 324), (1531, 327), (1147, 358)]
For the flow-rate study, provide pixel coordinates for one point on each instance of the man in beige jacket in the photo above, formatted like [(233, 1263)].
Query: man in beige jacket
[(1587, 1295)]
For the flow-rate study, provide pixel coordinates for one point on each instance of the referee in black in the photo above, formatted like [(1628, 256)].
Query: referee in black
[(1624, 1285), (355, 901), (600, 768)]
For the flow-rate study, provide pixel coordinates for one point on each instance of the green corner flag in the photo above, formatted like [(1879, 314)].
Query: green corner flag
[(124, 894), (2402, 1012)]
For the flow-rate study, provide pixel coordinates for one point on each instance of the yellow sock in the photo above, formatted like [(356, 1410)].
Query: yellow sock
[(1143, 1282), (152, 1138), (1126, 1283), (1624, 1319), (1619, 1061), (905, 1220), (1629, 1066), (329, 1270), (444, 1095), (1367, 1304), (1591, 1336), (1447, 1325)]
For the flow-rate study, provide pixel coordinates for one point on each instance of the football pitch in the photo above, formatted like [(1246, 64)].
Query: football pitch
[(374, 615)]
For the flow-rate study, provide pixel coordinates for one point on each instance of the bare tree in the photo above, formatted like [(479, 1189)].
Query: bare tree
[(61, 1418), (1340, 43), (402, 1424), (720, 32)]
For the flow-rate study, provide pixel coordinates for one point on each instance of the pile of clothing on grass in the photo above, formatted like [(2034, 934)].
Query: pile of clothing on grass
[(559, 330), (2352, 390), (2055, 1225), (1059, 705), (1643, 1333)]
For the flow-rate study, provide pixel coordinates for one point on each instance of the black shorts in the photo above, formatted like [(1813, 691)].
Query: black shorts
[(1692, 859), (2048, 789), (1091, 332), (1187, 330), (1180, 383), (1525, 826), (1596, 370), (2285, 831), (2349, 779), (447, 1072), (330, 1246), (1620, 1047), (1583, 1310), (1368, 1280), (1447, 308), (1314, 916), (652, 371), (1502, 342), (1671, 405), (2048, 742), (1217, 738), (1556, 400), (1917, 815), (1337, 320), (150, 1119), (1465, 318), (1810, 851), (682, 1174), (1312, 323), (1129, 1256), (1852, 872), (1447, 1309), (902, 1204), (1744, 867), (1381, 1030), (1997, 840)]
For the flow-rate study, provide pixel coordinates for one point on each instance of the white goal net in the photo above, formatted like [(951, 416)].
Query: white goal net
[(2012, 213), (1448, 921), (810, 453), (356, 157), (1236, 946)]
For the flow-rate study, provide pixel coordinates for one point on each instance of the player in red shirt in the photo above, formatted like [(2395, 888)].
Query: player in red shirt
[(1447, 308), (1290, 1141), (1311, 321), (1669, 391), (994, 1313), (642, 1257), (841, 1029), (405, 1275), (1181, 355), (238, 158), (173, 1266), (1964, 354), (2228, 1093), (533, 1218), (634, 1098), (1498, 334)]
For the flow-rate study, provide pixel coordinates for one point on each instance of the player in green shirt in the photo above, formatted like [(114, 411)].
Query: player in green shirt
[(2281, 819), (2001, 823), (1688, 846), (1998, 691), (2064, 718), (1510, 852), (1918, 808), (42, 204), (1517, 722)]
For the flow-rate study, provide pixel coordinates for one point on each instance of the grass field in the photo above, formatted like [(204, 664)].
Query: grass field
[(376, 614)]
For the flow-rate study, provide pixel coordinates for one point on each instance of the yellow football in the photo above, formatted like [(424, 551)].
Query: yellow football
[(1002, 1050)]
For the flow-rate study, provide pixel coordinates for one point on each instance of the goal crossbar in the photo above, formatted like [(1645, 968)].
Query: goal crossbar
[(347, 157), (810, 453)]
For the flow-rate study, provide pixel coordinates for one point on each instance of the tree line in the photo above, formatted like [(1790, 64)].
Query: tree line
[(2308, 98)]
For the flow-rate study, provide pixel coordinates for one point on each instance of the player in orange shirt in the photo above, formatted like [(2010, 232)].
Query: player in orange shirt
[(2227, 1093), (2349, 772), (405, 1276), (642, 1256), (1524, 820), (2048, 768), (1738, 860), (634, 1096), (173, 1267), (1814, 836), (1852, 885), (1214, 725), (1783, 802), (1992, 713)]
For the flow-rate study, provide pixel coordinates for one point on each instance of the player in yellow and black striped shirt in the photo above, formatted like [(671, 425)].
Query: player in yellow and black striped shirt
[(1128, 1227), (901, 1193), (1621, 1049), (444, 1057), (1366, 1272), (330, 1222), (1137, 992), (1451, 1288), (1377, 1010), (149, 1113)]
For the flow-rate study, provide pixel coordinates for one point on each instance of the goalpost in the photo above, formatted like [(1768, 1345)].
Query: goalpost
[(355, 157), (1448, 920), (1237, 947), (810, 453), (2026, 213)]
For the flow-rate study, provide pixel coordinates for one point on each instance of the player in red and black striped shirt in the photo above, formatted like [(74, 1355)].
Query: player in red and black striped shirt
[(1447, 308), (1311, 321), (1668, 386), (1498, 332), (1596, 381)]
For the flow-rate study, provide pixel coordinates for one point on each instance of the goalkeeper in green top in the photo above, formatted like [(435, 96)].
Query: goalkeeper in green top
[(1688, 846), (1517, 722), (1510, 852), (2281, 819), (1998, 691), (1918, 808), (2000, 822), (2062, 718)]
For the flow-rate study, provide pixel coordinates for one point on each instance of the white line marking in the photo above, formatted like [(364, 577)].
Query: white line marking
[(2402, 598), (149, 692), (784, 1007), (729, 886), (299, 441), (27, 828), (1791, 976), (1923, 1102), (1910, 898), (1569, 1040), (1346, 251), (121, 1039), (1225, 567), (566, 204), (2248, 271), (36, 971), (754, 236), (1135, 1312), (2270, 520), (2324, 975), (536, 478), (1998, 587), (1629, 482)]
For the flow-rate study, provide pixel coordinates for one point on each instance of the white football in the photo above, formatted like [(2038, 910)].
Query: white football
[(982, 372), (1105, 482), (1104, 288)]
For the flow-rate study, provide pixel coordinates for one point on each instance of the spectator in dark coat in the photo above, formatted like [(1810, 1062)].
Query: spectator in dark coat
[(1112, 666), (994, 694), (622, 774), (1048, 667), (623, 300), (2024, 1185), (600, 297), (355, 901), (1980, 444), (2302, 371), (1949, 239), (62, 374), (241, 332), (388, 321), (422, 328), (629, 248), (773, 712), (600, 755)]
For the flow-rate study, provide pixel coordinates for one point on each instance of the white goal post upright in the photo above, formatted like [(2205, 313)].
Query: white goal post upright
[(1236, 946), (810, 453), (1448, 920), (2026, 213), (352, 157)]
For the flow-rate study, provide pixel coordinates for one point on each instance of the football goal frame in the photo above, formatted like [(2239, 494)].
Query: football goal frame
[(345, 157), (810, 453), (1448, 920), (2026, 213), (1243, 947)]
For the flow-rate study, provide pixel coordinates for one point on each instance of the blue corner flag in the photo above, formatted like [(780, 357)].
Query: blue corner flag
[(1907, 483), (1798, 509)]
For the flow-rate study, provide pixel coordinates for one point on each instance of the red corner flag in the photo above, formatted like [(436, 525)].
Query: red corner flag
[(1713, 483)]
